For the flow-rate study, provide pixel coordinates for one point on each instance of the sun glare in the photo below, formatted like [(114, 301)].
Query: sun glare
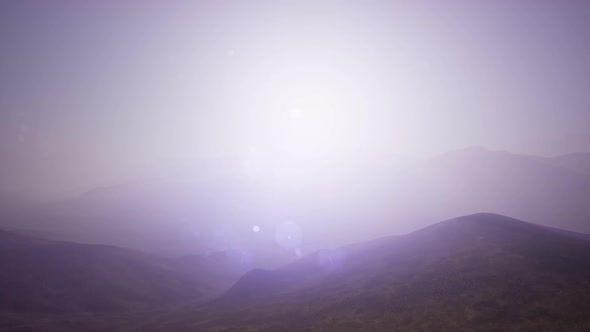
[(307, 101)]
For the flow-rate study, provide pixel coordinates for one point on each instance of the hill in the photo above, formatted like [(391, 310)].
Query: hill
[(482, 272), (55, 277), (174, 216)]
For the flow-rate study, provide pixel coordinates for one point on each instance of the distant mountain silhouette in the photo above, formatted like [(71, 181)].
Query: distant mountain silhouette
[(480, 272), (471, 180), (44, 276), (172, 216)]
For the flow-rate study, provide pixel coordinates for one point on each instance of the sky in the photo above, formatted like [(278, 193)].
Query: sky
[(93, 91)]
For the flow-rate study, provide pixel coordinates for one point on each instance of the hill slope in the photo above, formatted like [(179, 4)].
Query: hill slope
[(481, 272), (371, 199), (42, 276)]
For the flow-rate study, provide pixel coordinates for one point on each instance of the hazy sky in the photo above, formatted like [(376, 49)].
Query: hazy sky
[(91, 90)]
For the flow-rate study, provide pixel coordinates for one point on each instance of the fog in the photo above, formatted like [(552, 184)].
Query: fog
[(294, 165), (274, 128), (96, 93)]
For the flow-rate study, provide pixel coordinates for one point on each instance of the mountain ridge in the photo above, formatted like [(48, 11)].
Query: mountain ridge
[(480, 272), (38, 276)]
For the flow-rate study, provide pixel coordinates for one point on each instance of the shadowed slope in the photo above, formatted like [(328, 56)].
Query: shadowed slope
[(479, 272), (63, 277)]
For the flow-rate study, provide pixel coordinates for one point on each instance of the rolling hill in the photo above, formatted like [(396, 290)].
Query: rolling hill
[(481, 272), (55, 277), (173, 216)]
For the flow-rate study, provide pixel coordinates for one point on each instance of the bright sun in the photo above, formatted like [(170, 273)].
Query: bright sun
[(319, 113), (307, 101)]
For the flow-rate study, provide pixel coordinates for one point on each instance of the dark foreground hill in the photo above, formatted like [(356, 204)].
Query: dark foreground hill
[(53, 277), (482, 272)]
